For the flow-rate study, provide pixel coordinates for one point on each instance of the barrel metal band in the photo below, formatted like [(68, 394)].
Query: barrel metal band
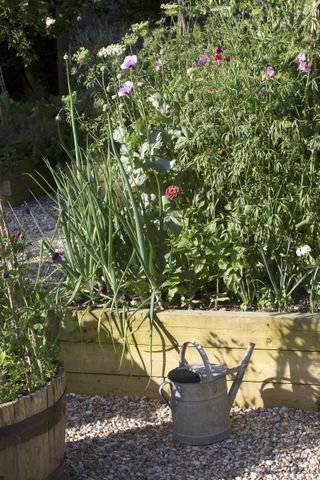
[(33, 426)]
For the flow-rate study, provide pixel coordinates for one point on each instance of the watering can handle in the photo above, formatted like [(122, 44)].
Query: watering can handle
[(240, 373), (163, 394), (203, 355)]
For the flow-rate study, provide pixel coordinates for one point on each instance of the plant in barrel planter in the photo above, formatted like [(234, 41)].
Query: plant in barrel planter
[(32, 385)]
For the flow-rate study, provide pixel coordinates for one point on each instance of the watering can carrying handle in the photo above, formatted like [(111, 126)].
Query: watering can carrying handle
[(203, 355), (163, 394)]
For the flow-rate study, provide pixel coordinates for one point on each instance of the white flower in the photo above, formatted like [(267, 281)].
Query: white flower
[(49, 22), (113, 49), (105, 107), (304, 250), (119, 76)]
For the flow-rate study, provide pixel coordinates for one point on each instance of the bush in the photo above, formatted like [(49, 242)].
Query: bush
[(29, 132), (200, 182)]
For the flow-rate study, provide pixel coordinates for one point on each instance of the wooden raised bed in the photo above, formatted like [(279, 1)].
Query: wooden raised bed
[(32, 434), (284, 369)]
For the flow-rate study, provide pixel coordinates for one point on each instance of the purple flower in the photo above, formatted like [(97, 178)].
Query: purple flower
[(56, 257), (5, 275), (301, 57), (219, 49), (227, 58), (304, 67), (129, 62), (203, 60), (271, 71), (158, 65), (126, 89)]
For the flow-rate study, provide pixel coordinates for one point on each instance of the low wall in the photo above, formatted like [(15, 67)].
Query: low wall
[(284, 369)]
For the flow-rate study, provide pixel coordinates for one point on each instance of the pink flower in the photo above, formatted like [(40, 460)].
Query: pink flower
[(172, 192), (301, 57), (304, 67), (126, 89), (271, 71), (203, 60), (129, 62), (158, 65)]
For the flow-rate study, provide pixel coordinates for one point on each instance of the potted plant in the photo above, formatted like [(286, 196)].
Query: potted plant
[(32, 384)]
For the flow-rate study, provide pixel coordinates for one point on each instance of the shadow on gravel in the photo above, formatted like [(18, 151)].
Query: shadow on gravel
[(149, 452)]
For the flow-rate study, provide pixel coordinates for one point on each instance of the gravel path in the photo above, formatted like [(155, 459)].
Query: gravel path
[(116, 438), (22, 219)]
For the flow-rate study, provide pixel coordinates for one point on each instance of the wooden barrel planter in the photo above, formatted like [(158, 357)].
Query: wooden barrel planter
[(32, 434)]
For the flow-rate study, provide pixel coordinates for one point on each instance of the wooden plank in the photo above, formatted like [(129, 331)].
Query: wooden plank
[(56, 433), (98, 384), (211, 329), (251, 394), (35, 451), (9, 456), (284, 366)]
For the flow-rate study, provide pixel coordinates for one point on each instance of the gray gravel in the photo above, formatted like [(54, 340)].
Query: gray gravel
[(36, 219), (117, 438), (22, 218)]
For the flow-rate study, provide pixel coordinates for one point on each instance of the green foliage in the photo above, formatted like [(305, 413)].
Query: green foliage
[(241, 145), (27, 354), (29, 132), (22, 21)]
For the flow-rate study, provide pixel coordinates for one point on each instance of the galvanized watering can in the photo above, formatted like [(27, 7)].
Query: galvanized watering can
[(199, 399)]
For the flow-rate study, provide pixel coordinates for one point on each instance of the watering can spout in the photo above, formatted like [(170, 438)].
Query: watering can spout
[(240, 373)]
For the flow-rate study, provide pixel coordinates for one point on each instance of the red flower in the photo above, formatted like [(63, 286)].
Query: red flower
[(217, 57), (172, 192), (222, 152)]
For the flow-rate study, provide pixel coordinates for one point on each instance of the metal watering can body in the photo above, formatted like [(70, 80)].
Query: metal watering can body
[(199, 400)]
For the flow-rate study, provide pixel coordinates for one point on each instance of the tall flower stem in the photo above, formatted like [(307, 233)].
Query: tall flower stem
[(23, 349)]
